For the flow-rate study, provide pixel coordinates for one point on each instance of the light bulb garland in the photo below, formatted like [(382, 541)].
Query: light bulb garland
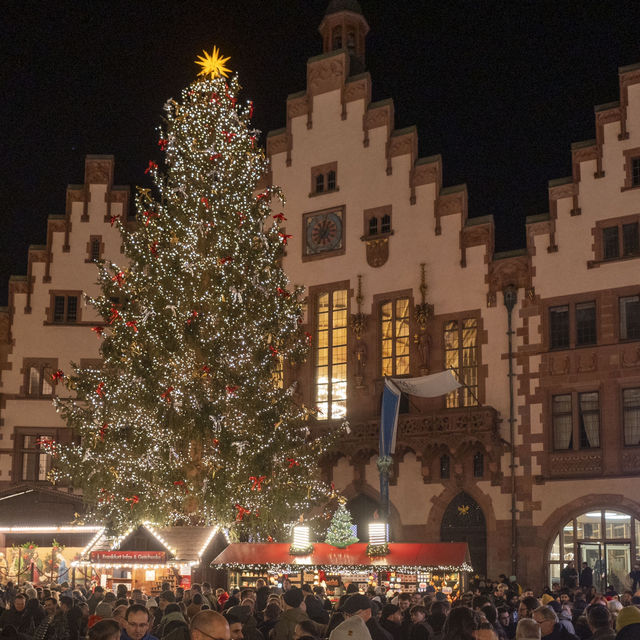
[(183, 423)]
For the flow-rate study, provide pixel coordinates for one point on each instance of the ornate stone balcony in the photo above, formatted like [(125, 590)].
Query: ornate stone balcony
[(444, 429)]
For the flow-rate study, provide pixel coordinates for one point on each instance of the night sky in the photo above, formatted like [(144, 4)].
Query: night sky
[(499, 88)]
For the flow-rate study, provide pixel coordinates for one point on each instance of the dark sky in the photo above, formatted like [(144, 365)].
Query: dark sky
[(499, 88)]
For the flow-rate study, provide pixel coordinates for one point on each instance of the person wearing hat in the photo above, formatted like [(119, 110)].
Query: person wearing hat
[(294, 612), (391, 620), (628, 623), (357, 611)]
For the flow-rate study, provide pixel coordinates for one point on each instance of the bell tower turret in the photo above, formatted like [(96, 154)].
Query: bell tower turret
[(344, 27)]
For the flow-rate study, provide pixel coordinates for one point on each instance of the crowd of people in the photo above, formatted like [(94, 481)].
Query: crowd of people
[(492, 611)]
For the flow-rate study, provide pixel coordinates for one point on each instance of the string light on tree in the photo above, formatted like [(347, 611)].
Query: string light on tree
[(177, 426)]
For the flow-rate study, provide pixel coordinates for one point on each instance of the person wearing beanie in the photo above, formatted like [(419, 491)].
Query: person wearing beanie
[(628, 623), (357, 611), (391, 620), (102, 611), (294, 612)]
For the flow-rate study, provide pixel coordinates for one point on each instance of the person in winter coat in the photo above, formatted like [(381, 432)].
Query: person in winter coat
[(293, 612), (420, 629), (550, 628), (391, 620), (17, 616), (628, 624)]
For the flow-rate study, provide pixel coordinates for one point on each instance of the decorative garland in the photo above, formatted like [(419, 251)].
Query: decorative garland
[(377, 550), (343, 569)]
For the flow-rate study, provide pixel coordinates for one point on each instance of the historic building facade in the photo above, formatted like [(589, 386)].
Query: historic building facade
[(535, 460)]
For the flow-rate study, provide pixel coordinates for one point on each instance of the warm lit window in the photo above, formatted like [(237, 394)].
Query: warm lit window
[(33, 463), (579, 430), (631, 416), (461, 356), (331, 355), (65, 308), (394, 329), (630, 318), (278, 373)]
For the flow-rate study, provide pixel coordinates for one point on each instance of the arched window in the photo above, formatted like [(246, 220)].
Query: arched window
[(336, 38), (385, 224), (478, 465), (373, 226), (351, 42), (445, 467), (604, 541)]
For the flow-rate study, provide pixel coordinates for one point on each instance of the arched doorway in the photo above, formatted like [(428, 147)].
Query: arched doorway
[(605, 540), (362, 508), (463, 521)]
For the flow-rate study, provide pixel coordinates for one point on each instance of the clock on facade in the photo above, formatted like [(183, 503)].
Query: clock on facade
[(324, 232)]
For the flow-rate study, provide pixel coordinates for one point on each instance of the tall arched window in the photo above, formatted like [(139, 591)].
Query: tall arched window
[(336, 38), (607, 541)]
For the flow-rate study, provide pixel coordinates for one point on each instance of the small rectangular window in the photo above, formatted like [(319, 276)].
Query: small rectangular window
[(319, 183), (35, 463), (635, 172), (65, 308), (385, 224), (586, 323), (631, 416), (610, 243), (630, 239), (373, 226), (559, 327), (589, 417), (562, 421), (630, 318), (58, 309), (331, 181)]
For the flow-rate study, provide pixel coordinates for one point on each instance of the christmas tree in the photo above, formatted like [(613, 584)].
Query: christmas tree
[(340, 531), (186, 421)]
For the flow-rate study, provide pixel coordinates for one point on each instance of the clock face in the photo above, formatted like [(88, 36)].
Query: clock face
[(324, 232)]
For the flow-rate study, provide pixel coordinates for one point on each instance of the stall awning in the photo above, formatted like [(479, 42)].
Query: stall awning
[(170, 547), (402, 557)]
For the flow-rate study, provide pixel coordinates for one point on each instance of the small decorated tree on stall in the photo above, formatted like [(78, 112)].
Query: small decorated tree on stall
[(340, 531)]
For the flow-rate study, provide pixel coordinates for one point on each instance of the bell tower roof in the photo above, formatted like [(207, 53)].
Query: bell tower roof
[(345, 27)]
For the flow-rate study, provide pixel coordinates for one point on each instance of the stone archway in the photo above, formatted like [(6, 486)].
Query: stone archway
[(464, 521)]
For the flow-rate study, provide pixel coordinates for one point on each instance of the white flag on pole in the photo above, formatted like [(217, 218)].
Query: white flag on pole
[(436, 384)]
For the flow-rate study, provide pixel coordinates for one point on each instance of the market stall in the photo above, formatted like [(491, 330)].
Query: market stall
[(406, 567), (146, 557)]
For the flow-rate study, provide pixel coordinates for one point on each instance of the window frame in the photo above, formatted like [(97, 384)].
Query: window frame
[(463, 397), (576, 413), (630, 155), (572, 306), (315, 293), (90, 246), (393, 301), (623, 413), (324, 175), (45, 366), (601, 253), (625, 337), (20, 451), (51, 310)]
